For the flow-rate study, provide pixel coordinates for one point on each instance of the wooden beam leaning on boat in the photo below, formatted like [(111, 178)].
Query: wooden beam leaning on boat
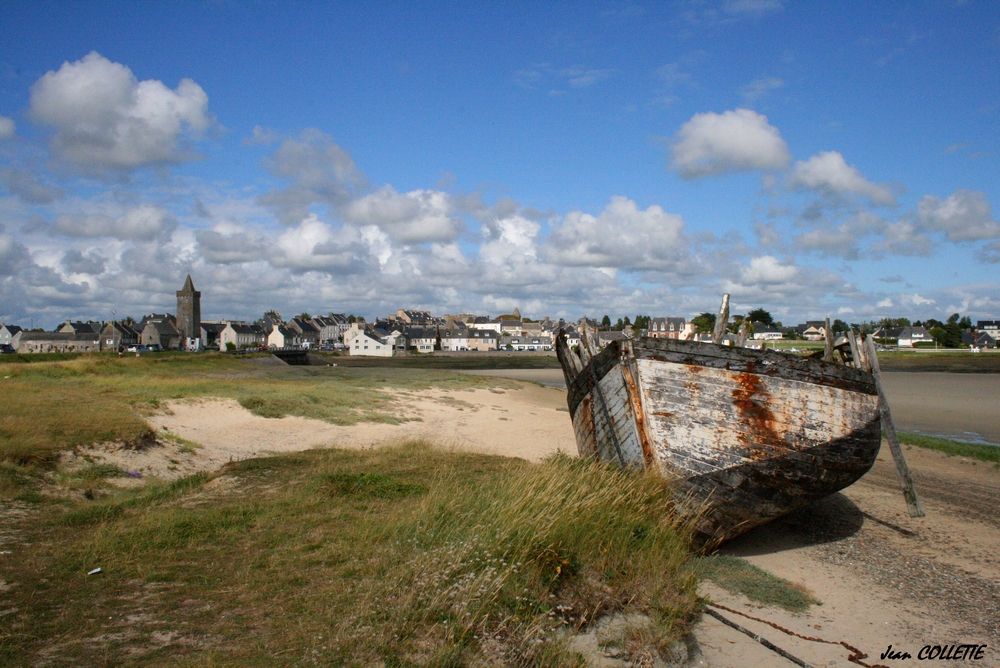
[(913, 504)]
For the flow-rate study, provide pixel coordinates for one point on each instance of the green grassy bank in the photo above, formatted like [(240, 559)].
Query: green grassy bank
[(404, 556), (51, 406)]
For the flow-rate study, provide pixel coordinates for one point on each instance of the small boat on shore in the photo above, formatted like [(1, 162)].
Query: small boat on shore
[(749, 434)]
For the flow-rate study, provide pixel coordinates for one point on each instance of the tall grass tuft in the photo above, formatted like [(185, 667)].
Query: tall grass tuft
[(534, 552)]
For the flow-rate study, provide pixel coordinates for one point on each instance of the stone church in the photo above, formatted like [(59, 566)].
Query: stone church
[(188, 311)]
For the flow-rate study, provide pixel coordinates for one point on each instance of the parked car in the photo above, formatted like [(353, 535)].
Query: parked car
[(6, 349)]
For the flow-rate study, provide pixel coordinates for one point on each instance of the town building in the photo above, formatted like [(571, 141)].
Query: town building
[(283, 337), (117, 334), (8, 333), (59, 342), (666, 328), (309, 332), (367, 344), (762, 332), (423, 339), (525, 343), (241, 335), (483, 339), (160, 330), (188, 321)]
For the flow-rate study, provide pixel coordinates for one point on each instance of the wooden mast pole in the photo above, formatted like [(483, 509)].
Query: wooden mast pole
[(902, 470)]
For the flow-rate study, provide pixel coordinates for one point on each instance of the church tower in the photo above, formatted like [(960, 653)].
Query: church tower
[(188, 311)]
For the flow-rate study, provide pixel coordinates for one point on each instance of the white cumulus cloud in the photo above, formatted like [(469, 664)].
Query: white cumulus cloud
[(622, 236), (105, 120), (740, 140), (829, 174), (315, 246), (414, 217), (963, 216)]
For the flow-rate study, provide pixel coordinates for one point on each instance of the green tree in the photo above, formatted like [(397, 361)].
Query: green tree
[(704, 322), (760, 315), (305, 316), (642, 321), (606, 321), (839, 326)]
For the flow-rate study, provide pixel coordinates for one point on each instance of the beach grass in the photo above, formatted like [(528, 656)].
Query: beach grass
[(739, 576), (983, 453), (399, 556), (62, 404)]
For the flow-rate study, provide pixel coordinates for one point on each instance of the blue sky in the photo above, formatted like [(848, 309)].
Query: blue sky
[(813, 159)]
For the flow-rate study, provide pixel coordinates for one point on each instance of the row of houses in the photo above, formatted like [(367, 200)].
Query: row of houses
[(160, 330)]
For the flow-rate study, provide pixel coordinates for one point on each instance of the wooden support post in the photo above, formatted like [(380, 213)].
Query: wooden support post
[(584, 348), (743, 334), (855, 353), (902, 470), (721, 321), (828, 342)]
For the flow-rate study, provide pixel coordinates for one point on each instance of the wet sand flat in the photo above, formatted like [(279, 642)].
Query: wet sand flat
[(964, 406)]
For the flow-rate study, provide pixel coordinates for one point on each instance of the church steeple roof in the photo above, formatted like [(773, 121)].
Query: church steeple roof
[(188, 285)]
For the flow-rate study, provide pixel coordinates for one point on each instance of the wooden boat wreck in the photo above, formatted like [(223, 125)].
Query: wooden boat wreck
[(750, 434)]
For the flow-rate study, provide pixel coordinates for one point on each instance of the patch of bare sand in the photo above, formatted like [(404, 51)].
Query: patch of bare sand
[(530, 422), (884, 577)]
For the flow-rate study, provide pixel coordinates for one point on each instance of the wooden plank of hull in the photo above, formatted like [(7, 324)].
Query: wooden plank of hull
[(752, 434), (605, 424), (703, 419), (739, 498)]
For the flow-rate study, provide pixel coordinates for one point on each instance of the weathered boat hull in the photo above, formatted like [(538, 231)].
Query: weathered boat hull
[(749, 434)]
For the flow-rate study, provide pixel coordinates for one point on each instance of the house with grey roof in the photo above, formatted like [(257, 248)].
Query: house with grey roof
[(762, 332), (331, 327), (59, 342), (210, 333), (116, 334), (483, 339), (80, 327), (7, 334), (525, 343), (979, 340), (910, 336), (241, 335), (160, 332), (665, 328), (309, 332), (423, 339), (283, 337)]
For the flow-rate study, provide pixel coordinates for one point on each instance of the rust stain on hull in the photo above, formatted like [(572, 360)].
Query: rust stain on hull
[(752, 400)]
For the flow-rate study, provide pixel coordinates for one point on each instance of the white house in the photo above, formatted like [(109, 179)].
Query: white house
[(912, 335), (765, 333), (283, 337), (366, 345), (241, 335)]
